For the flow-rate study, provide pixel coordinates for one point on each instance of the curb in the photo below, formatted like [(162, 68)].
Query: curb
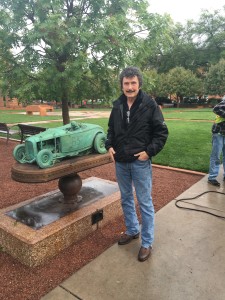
[(179, 170)]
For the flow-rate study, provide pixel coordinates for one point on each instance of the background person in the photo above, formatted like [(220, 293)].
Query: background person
[(136, 133), (218, 143)]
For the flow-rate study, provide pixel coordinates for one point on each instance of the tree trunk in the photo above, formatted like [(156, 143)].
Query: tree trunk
[(178, 101), (65, 107)]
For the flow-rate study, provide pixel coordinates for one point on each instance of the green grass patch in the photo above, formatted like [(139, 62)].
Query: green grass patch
[(18, 116), (187, 114), (188, 146), (99, 121)]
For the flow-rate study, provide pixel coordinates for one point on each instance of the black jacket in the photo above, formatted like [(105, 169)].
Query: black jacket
[(146, 131)]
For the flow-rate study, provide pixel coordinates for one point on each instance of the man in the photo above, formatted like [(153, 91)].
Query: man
[(136, 132), (218, 144)]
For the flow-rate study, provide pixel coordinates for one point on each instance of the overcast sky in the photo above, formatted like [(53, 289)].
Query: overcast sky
[(181, 11)]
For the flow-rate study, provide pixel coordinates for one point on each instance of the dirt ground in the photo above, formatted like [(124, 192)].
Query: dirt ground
[(22, 283)]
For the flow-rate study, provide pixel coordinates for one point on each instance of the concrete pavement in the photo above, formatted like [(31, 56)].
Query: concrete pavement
[(187, 262)]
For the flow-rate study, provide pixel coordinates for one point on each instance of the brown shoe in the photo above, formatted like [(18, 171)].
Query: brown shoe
[(144, 253), (126, 238)]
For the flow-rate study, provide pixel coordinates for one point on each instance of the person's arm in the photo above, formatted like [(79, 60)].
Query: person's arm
[(160, 133), (110, 136)]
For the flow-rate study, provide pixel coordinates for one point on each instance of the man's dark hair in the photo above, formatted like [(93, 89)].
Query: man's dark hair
[(130, 72)]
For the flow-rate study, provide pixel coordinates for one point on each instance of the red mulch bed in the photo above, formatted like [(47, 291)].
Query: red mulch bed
[(21, 282)]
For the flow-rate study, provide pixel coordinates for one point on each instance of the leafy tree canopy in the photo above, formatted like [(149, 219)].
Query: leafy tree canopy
[(215, 79), (58, 42), (183, 82)]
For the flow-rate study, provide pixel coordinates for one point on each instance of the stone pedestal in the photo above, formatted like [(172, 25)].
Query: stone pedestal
[(33, 247)]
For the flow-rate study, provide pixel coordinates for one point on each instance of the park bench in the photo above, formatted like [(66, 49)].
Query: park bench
[(42, 109), (5, 129), (166, 105), (28, 130)]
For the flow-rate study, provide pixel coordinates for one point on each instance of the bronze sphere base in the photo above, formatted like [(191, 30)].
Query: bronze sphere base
[(70, 186)]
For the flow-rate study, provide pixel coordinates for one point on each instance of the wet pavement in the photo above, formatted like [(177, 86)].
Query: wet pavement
[(187, 262)]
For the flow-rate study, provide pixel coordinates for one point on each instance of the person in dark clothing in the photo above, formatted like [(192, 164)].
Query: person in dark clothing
[(136, 133), (218, 144)]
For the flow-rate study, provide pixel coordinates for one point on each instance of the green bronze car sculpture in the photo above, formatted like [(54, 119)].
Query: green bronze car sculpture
[(54, 144)]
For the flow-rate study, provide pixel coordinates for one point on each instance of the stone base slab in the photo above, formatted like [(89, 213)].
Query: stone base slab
[(34, 247)]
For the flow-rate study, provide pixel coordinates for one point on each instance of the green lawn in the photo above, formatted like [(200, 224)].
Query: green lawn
[(188, 145), (18, 116), (189, 114)]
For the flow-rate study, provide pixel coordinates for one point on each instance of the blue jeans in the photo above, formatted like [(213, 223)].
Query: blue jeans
[(218, 147), (139, 174)]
